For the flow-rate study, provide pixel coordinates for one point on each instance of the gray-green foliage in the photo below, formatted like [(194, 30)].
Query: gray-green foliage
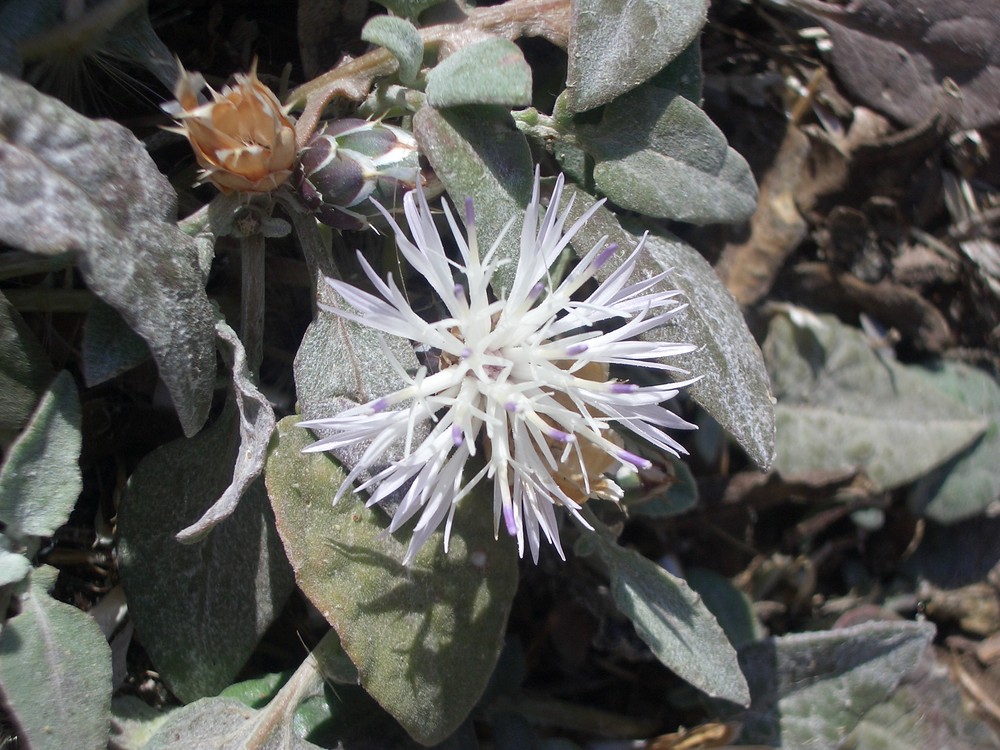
[(842, 405), (424, 640)]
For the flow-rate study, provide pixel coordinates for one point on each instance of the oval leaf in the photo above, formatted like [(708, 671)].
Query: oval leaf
[(55, 672), (492, 71), (811, 689), (40, 479), (199, 609), (674, 622), (659, 154), (425, 639), (969, 484), (401, 38), (24, 369), (841, 406), (69, 183), (734, 386), (615, 46)]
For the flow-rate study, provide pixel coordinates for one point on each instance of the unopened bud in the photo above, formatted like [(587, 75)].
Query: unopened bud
[(350, 160)]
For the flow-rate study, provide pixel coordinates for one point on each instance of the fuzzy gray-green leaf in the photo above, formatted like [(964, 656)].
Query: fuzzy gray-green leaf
[(615, 46), (734, 386), (425, 638), (401, 38), (68, 183), (673, 620), (492, 71), (55, 672), (659, 154), (25, 371), (199, 609), (841, 405), (968, 484), (812, 689), (40, 478)]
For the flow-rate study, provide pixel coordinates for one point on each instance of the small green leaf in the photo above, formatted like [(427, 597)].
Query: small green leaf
[(841, 405), (410, 9), (812, 689), (73, 184), (478, 152), (614, 47), (110, 347), (492, 71), (55, 672), (24, 369), (401, 38), (199, 609), (968, 484), (673, 620), (659, 154), (425, 639), (734, 386), (40, 478)]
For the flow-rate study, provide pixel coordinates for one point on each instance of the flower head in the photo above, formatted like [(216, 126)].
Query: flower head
[(524, 377), (243, 139)]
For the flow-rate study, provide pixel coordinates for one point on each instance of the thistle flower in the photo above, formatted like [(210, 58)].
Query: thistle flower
[(243, 139), (348, 160), (523, 377)]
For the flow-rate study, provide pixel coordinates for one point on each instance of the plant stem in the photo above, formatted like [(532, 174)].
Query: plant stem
[(252, 299)]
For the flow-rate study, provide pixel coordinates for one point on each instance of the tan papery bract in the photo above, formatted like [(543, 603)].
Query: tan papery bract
[(243, 139)]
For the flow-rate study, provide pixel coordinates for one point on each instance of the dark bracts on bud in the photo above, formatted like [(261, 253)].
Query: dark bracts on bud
[(348, 161)]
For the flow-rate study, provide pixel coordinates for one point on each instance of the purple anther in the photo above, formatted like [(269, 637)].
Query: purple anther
[(457, 434), (459, 290), (470, 215), (605, 254), (560, 436), (576, 349), (624, 387), (510, 406), (465, 353), (637, 461), (536, 290), (508, 519), (378, 405)]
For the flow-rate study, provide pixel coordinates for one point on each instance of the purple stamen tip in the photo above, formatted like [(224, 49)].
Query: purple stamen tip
[(576, 349), (510, 406), (560, 436), (508, 519), (457, 434), (624, 387), (605, 254), (378, 405), (536, 290), (459, 290), (466, 353), (470, 214), (637, 461)]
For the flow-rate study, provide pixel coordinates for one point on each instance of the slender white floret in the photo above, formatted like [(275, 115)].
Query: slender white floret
[(522, 379)]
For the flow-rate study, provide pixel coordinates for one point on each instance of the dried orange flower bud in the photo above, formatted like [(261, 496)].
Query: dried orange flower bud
[(243, 139)]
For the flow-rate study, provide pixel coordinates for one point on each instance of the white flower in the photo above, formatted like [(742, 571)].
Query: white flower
[(525, 374)]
